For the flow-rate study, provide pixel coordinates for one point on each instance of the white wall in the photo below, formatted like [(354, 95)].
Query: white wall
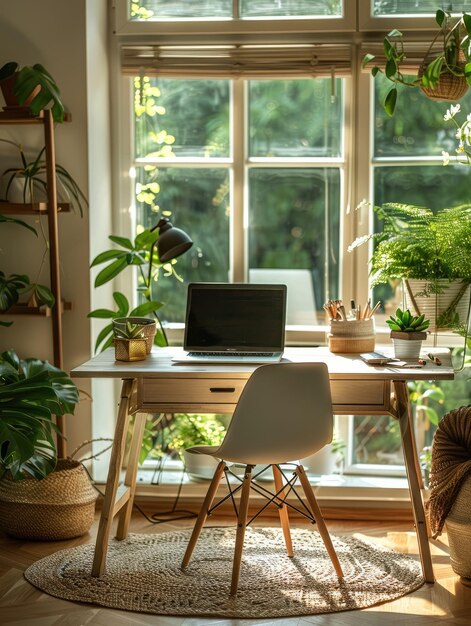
[(70, 40)]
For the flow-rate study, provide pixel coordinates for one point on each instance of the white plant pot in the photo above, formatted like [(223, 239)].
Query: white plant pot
[(434, 305), (199, 466), (407, 350), (323, 462), (15, 192)]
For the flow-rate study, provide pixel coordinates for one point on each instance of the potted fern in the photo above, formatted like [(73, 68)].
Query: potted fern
[(431, 253), (407, 333)]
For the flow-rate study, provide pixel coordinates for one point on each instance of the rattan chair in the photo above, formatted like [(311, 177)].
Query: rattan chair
[(284, 413)]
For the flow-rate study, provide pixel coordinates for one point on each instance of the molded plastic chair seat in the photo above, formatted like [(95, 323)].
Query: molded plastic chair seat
[(284, 413)]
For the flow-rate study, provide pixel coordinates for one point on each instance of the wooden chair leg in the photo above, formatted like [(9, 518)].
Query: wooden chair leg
[(283, 509), (324, 533), (241, 525), (203, 514)]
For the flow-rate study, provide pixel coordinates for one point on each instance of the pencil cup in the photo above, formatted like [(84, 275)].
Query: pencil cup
[(352, 336)]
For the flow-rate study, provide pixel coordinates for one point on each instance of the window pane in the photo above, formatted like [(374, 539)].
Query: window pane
[(417, 7), (294, 217), (145, 10), (376, 440), (198, 200), (295, 118), (417, 127), (181, 118), (268, 8)]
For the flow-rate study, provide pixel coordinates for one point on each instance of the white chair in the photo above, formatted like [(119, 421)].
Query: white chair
[(300, 302), (284, 413)]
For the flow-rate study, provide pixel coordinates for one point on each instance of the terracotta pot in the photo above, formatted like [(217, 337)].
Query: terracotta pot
[(7, 85)]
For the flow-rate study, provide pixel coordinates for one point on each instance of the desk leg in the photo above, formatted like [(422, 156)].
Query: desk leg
[(131, 474), (116, 462), (413, 477)]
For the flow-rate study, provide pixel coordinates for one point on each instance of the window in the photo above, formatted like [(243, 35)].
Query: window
[(281, 196), (255, 129)]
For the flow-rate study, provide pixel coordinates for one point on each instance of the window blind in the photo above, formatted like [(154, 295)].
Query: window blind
[(237, 60), (415, 51)]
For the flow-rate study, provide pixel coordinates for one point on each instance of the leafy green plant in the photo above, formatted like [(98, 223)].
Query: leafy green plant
[(195, 430), (28, 79), (130, 331), (417, 243), (33, 174), (16, 285), (452, 57), (31, 393), (405, 322), (129, 253)]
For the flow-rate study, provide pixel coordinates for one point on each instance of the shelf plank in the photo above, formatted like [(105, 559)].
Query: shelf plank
[(12, 208), (22, 115), (43, 310)]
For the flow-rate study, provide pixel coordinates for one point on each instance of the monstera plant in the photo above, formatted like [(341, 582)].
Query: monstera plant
[(32, 391)]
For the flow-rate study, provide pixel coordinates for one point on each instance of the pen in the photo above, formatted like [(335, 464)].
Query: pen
[(434, 358)]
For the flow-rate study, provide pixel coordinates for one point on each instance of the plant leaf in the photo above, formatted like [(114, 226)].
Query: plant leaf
[(109, 272), (390, 102)]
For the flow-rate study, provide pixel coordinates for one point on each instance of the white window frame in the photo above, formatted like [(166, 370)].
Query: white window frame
[(171, 27)]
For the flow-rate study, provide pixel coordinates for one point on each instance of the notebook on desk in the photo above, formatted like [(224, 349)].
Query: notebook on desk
[(234, 323)]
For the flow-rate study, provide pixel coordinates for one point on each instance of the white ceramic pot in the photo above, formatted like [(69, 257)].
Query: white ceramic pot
[(453, 293), (199, 466), (407, 350), (323, 462)]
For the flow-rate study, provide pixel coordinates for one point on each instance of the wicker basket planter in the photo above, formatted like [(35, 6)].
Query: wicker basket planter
[(61, 506), (458, 527)]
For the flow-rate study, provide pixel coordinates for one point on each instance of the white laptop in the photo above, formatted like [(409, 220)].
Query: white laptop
[(234, 323)]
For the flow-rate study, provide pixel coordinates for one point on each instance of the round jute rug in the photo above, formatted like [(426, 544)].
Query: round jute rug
[(143, 574)]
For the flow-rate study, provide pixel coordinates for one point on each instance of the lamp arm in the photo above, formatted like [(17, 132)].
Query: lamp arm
[(149, 289)]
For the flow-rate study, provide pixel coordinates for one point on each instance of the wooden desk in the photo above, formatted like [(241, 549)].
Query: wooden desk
[(159, 385)]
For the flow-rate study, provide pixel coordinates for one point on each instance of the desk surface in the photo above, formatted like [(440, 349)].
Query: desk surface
[(341, 366)]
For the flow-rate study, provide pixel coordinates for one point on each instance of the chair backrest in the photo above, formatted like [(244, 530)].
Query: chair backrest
[(284, 413), (300, 303)]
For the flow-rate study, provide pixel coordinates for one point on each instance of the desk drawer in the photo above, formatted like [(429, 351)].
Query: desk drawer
[(355, 393), (185, 391)]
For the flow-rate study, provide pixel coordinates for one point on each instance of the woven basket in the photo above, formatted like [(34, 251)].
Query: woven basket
[(352, 336), (458, 526), (61, 506), (449, 87)]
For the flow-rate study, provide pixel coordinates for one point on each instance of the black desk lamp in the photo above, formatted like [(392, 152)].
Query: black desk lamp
[(172, 243)]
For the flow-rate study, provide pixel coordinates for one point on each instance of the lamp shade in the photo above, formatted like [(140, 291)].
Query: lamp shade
[(172, 242)]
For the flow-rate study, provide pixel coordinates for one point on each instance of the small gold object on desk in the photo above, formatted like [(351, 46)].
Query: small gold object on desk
[(130, 349)]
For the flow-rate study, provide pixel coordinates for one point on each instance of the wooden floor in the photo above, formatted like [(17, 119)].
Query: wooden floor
[(446, 602)]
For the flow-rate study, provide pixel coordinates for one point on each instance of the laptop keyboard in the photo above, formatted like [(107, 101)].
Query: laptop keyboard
[(238, 354)]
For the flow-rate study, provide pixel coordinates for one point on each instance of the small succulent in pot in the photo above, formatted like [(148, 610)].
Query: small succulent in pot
[(405, 322), (130, 342), (407, 333)]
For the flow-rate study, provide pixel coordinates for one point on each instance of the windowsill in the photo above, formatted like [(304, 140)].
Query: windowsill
[(316, 335), (334, 490)]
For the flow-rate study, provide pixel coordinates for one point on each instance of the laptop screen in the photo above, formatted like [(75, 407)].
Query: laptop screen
[(235, 317)]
